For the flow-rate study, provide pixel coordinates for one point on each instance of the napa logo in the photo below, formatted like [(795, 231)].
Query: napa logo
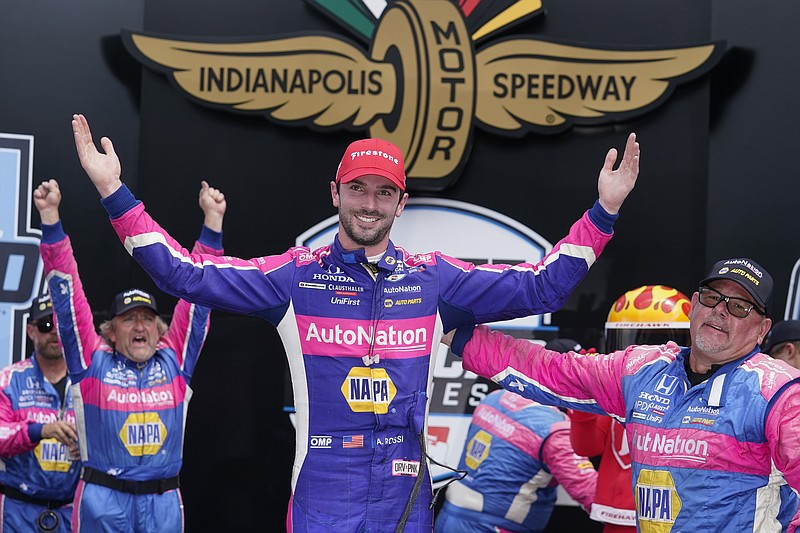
[(143, 434), (419, 80), (20, 266), (657, 501), (368, 390), (478, 449), (52, 456)]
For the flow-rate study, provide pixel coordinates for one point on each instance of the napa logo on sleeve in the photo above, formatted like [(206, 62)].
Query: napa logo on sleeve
[(368, 390), (657, 501), (143, 434), (478, 449), (52, 456)]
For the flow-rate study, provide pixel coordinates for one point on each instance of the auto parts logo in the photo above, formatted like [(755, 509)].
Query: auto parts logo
[(368, 390), (423, 85), (52, 456), (143, 434), (657, 501), (478, 449)]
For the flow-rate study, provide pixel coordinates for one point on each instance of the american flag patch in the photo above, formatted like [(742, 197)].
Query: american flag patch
[(353, 441)]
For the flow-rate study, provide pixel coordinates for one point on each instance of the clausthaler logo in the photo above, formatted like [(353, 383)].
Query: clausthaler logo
[(423, 85)]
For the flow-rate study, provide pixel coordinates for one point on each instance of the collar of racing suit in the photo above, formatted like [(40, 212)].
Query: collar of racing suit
[(355, 257)]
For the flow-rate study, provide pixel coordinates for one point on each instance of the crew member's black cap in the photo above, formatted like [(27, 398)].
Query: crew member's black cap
[(747, 273), (563, 345), (41, 307), (785, 331), (131, 299)]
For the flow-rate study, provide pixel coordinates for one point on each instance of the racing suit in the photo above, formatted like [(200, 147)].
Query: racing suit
[(713, 457), (596, 435), (130, 416), (37, 477), (517, 453), (360, 339)]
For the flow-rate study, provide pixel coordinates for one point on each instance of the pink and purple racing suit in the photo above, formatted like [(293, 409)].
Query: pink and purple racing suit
[(517, 453), (719, 456), (360, 340), (33, 468), (130, 416)]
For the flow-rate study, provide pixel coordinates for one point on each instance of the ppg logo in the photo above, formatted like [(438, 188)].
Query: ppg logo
[(321, 441), (20, 267)]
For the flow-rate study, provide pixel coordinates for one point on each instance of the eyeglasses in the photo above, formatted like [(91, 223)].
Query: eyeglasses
[(737, 307), (45, 326)]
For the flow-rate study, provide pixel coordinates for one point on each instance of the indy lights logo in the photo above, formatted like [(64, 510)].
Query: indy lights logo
[(423, 84), (20, 267)]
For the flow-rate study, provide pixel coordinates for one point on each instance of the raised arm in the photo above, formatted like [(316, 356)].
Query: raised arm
[(212, 202), (103, 169), (258, 287), (615, 185), (73, 314), (190, 323)]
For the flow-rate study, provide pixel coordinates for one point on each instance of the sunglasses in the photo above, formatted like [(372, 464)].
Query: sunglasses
[(737, 307), (45, 326)]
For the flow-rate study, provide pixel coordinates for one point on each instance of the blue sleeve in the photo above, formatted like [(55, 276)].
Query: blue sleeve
[(35, 431), (120, 202)]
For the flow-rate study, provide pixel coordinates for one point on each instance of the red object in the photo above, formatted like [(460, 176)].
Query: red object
[(372, 156)]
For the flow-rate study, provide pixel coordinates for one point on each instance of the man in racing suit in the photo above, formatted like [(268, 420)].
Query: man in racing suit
[(517, 452), (37, 426), (713, 430), (131, 386), (360, 320)]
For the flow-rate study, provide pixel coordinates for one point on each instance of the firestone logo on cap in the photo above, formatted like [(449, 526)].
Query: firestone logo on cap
[(378, 153)]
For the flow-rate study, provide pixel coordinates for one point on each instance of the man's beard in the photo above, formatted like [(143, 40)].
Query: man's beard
[(49, 351), (365, 238)]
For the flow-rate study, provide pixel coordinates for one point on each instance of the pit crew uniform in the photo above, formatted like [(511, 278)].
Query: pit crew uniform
[(705, 458), (37, 477), (130, 416), (517, 452), (359, 338), (597, 435)]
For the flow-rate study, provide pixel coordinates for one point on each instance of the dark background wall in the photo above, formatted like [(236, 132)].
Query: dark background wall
[(719, 174)]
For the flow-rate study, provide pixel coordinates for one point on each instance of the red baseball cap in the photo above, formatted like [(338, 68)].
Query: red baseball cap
[(372, 156)]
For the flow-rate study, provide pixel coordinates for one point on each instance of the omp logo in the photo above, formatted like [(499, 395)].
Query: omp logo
[(20, 267), (52, 456), (423, 85), (321, 441), (478, 449), (368, 390), (657, 501), (143, 434)]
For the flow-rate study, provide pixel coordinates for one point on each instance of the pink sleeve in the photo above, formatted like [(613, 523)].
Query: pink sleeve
[(783, 435), (73, 313), (189, 326), (574, 472), (583, 382), (14, 438)]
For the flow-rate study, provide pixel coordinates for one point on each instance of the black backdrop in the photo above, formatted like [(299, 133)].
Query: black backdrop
[(719, 169)]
